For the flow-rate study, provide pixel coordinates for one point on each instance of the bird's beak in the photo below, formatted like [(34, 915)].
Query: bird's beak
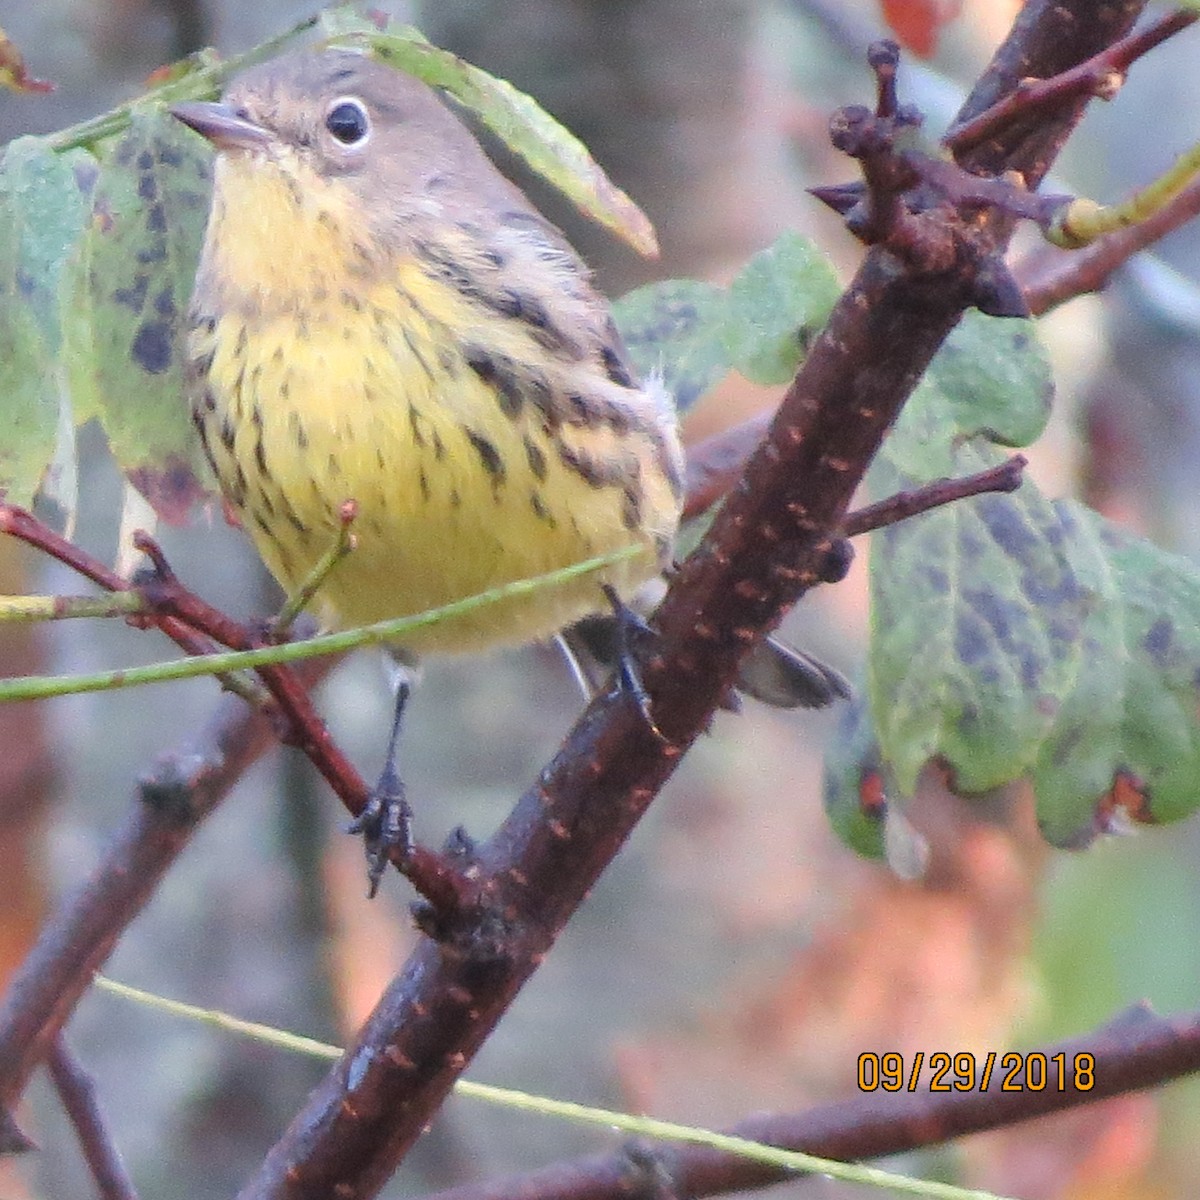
[(221, 125)]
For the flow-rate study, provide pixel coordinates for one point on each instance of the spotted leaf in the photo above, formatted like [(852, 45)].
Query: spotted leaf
[(125, 307)]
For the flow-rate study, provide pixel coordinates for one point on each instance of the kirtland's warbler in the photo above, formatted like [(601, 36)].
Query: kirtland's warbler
[(379, 315)]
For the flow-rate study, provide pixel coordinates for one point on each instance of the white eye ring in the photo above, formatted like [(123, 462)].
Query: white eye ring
[(348, 122)]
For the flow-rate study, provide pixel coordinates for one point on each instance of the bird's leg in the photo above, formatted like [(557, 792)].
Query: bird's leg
[(386, 822), (632, 636)]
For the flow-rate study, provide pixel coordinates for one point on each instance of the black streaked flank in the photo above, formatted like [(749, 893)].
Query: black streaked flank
[(540, 510), (503, 378), (631, 506), (536, 458), (416, 352), (614, 365), (505, 301), (493, 463), (414, 421), (594, 471)]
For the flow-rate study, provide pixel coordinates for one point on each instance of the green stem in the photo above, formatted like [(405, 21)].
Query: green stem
[(39, 687), (637, 1126), (303, 595), (203, 81), (1083, 221), (60, 608)]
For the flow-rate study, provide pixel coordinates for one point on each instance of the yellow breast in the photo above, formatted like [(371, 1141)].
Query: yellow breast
[(331, 386)]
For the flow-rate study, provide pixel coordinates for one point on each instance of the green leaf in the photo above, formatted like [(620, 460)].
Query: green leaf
[(44, 200), (555, 153), (125, 308), (1012, 637), (977, 610), (995, 373), (853, 789), (674, 330), (991, 378), (693, 333), (976, 634), (777, 304), (1127, 738)]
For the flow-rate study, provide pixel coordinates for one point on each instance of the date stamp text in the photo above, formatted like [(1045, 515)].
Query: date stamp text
[(1030, 1071)]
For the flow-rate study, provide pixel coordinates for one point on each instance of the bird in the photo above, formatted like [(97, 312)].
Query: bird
[(380, 316)]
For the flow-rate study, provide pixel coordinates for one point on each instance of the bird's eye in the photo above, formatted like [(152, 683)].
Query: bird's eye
[(347, 120)]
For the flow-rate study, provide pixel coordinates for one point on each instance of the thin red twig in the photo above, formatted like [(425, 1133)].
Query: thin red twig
[(23, 525), (1004, 478), (198, 628), (1101, 75)]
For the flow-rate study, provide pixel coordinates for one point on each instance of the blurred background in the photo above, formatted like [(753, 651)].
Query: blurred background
[(736, 958)]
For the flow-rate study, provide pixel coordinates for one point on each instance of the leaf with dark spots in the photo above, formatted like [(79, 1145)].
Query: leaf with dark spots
[(1005, 527), (970, 643), (673, 330), (937, 579), (151, 348), (969, 671), (1157, 642), (1134, 711), (133, 297), (691, 334), (171, 155), (997, 615), (1014, 638), (125, 312), (991, 380)]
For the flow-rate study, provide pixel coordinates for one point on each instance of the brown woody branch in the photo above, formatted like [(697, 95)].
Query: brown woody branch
[(1004, 478), (1050, 277), (1102, 75), (78, 1095), (23, 525), (1135, 1051), (84, 929), (765, 549)]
